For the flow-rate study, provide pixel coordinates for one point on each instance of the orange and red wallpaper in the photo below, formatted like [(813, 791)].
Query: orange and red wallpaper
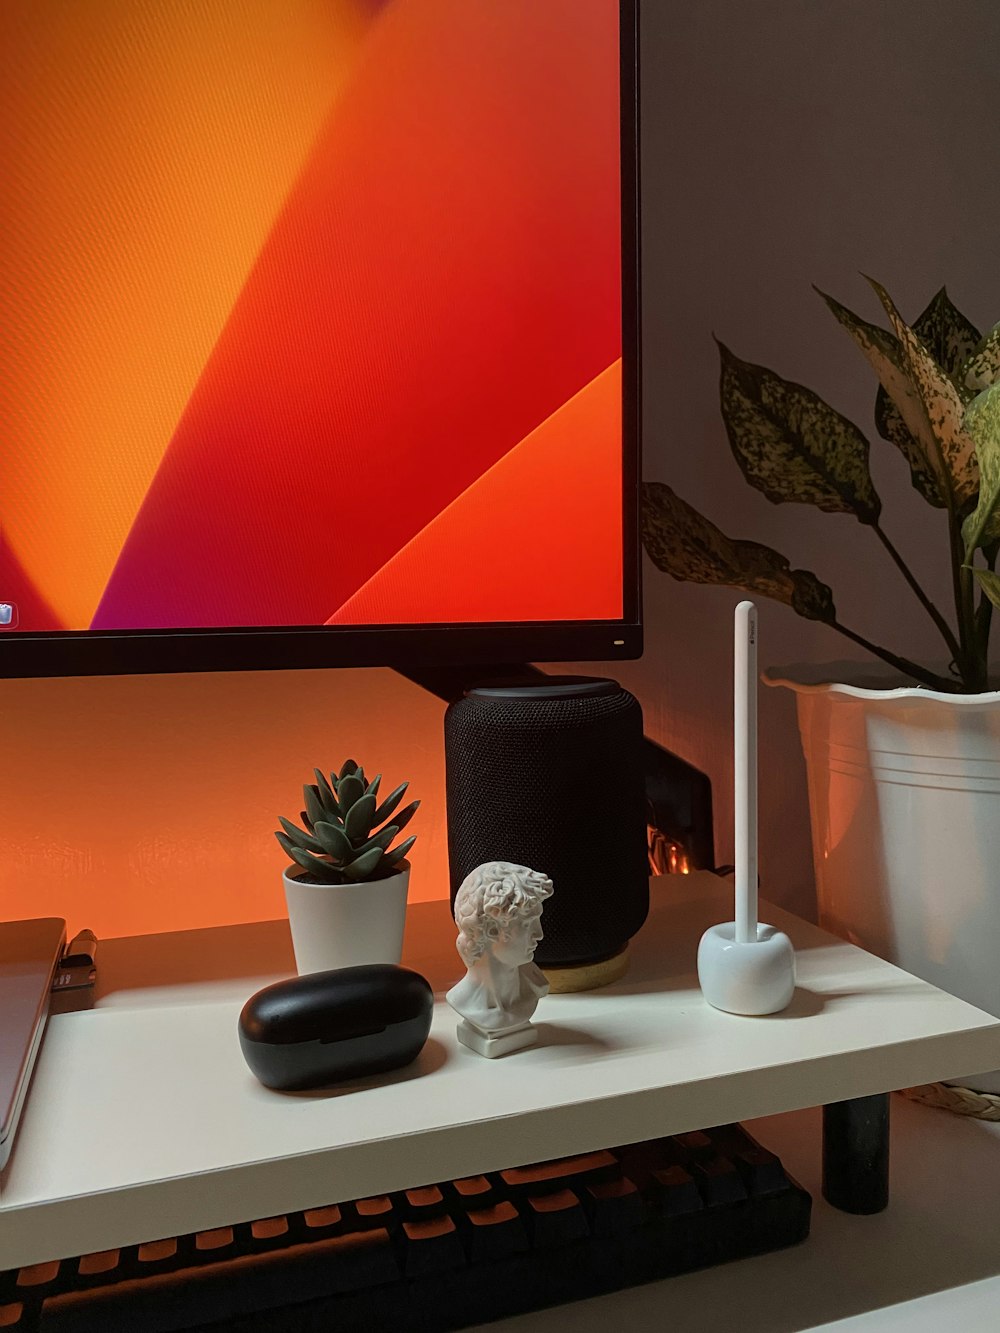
[(312, 312)]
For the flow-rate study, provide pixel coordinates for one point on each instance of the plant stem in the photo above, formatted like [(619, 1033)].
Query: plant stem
[(984, 615), (935, 615), (903, 664)]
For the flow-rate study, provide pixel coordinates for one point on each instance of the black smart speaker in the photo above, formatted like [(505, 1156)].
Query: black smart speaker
[(549, 774)]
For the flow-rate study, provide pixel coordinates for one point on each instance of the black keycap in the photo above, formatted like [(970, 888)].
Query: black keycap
[(377, 1211), (614, 1207), (320, 1222), (98, 1269), (697, 1143), (473, 1192), (153, 1256), (228, 1289), (432, 1245), (555, 1219), (208, 1247), (762, 1172), (562, 1173), (674, 1192), (418, 1204), (494, 1233), (719, 1181), (37, 1280)]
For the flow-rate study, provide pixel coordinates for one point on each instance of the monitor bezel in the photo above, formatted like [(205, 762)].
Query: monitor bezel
[(162, 651)]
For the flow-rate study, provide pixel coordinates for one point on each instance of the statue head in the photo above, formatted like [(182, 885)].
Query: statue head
[(498, 910)]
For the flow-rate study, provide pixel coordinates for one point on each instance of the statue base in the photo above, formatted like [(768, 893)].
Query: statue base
[(492, 1044)]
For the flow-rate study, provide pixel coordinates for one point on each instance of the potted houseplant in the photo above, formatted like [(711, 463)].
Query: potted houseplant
[(903, 770), (346, 891)]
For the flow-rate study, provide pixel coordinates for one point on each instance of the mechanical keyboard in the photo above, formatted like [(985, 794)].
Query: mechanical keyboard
[(438, 1257)]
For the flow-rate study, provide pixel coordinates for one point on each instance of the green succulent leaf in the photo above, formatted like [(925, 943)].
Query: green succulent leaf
[(334, 841), (326, 793), (358, 820), (952, 456), (390, 803), (990, 584), (982, 368), (349, 790), (899, 413), (297, 854), (684, 544), (315, 809), (396, 855), (364, 866), (403, 818), (791, 445), (382, 839), (982, 421), (348, 766), (296, 835), (374, 785)]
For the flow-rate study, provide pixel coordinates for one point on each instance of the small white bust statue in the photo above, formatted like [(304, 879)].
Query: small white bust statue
[(498, 912)]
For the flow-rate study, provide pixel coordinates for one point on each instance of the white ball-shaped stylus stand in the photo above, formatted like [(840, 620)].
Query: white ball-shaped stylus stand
[(753, 978)]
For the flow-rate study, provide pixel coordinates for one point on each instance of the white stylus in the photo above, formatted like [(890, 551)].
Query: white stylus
[(745, 777), (745, 967)]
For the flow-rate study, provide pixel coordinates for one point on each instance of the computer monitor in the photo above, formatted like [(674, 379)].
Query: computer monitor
[(322, 334)]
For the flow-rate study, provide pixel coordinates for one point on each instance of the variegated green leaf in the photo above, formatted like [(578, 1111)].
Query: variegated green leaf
[(684, 544), (953, 457), (990, 584), (982, 368), (946, 333), (791, 445), (899, 413), (982, 421), (949, 337)]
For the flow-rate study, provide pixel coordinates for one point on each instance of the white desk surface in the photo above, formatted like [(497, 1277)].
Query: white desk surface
[(143, 1120)]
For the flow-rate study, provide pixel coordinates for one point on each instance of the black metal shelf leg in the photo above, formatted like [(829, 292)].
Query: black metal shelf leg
[(856, 1154)]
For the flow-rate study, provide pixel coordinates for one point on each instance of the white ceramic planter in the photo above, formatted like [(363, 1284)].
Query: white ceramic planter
[(344, 925), (904, 798)]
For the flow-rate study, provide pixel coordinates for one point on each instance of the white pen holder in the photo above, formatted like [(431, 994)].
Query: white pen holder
[(753, 978), (744, 966)]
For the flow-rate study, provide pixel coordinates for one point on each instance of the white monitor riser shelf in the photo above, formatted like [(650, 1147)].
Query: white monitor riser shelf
[(143, 1120)]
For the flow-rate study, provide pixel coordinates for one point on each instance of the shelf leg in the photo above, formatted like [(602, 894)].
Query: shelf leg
[(856, 1154)]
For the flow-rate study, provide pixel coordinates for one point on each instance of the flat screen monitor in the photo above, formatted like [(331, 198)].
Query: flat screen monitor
[(321, 334)]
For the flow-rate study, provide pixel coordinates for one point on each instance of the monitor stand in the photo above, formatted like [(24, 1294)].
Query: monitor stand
[(678, 795)]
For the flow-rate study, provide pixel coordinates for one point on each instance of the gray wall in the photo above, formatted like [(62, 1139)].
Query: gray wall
[(790, 142)]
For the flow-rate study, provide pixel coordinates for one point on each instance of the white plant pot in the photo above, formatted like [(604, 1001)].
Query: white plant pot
[(344, 925), (904, 799)]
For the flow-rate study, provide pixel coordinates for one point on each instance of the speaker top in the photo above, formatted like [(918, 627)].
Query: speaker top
[(548, 687)]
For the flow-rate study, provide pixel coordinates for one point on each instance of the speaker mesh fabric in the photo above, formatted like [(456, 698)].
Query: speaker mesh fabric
[(555, 783)]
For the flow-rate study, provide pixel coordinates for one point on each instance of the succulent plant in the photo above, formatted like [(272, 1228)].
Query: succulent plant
[(337, 844)]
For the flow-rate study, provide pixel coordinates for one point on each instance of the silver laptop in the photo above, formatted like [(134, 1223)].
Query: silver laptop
[(29, 955)]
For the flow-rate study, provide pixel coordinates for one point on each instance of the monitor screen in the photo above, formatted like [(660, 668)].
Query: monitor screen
[(314, 318)]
